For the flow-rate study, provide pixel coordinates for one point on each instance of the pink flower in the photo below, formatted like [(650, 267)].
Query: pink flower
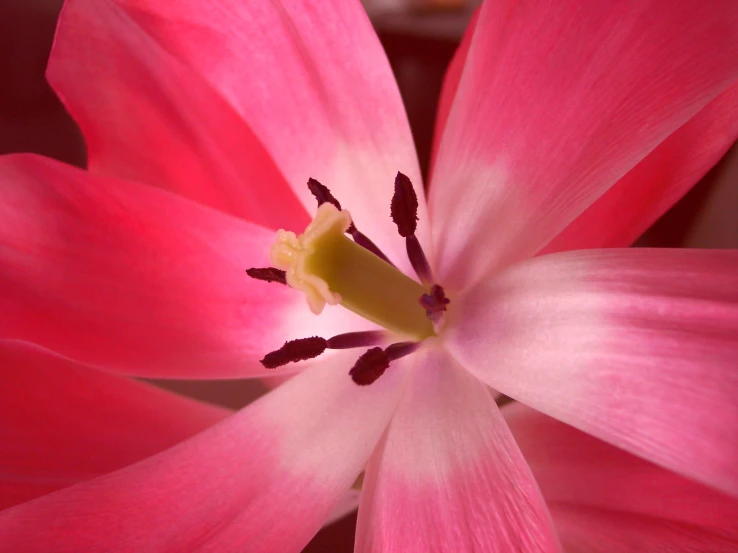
[(562, 127)]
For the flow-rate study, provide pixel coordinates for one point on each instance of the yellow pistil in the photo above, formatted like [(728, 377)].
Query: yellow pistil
[(330, 269)]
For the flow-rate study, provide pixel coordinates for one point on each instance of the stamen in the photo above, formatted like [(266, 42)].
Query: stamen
[(418, 260), (364, 242), (404, 211), (434, 303), (323, 195), (330, 269), (400, 350), (373, 362), (295, 350), (268, 274), (404, 206), (357, 339), (309, 348), (369, 367)]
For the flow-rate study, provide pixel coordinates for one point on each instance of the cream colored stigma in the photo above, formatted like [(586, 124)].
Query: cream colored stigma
[(330, 268), (291, 253)]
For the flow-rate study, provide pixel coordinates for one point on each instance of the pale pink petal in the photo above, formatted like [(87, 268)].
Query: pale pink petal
[(136, 280), (264, 480), (450, 85), (346, 505), (146, 116), (448, 475), (61, 423), (557, 102), (648, 190), (313, 82), (606, 500), (637, 347), (585, 530), (625, 211), (574, 468)]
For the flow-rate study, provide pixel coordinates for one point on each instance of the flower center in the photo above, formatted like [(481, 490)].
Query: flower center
[(329, 268)]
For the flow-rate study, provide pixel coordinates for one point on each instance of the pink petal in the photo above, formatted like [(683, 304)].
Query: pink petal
[(313, 82), (61, 423), (637, 347), (264, 480), (574, 468), (148, 117), (602, 531), (348, 503), (557, 102), (451, 84), (448, 475), (625, 211), (137, 280), (610, 500)]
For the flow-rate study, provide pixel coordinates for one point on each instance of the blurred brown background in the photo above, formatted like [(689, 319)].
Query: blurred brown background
[(420, 37)]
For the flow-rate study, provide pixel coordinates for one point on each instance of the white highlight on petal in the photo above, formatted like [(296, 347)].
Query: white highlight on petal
[(364, 183), (437, 377), (338, 423), (462, 253), (508, 329)]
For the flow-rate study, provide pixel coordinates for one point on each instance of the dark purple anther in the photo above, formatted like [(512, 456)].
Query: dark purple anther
[(308, 348), (369, 367), (404, 211), (434, 303), (295, 350), (404, 206), (372, 364), (323, 195), (268, 274)]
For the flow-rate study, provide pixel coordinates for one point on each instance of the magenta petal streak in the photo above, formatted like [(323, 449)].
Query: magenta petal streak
[(608, 501), (63, 423), (136, 280), (146, 116), (556, 103), (313, 83), (264, 480), (450, 86), (637, 347), (648, 190), (448, 475)]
